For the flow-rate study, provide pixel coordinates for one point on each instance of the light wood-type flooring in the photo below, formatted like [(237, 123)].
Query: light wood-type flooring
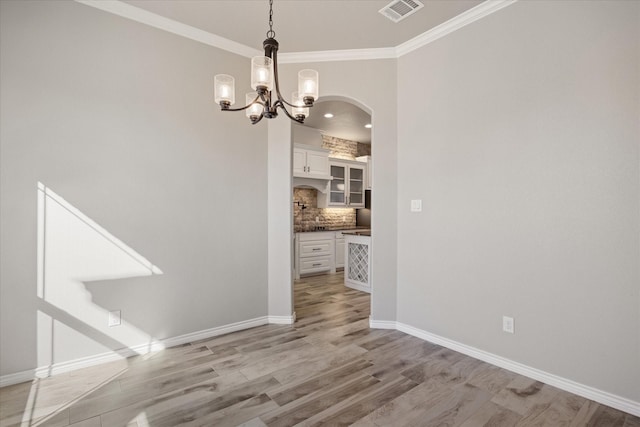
[(328, 369)]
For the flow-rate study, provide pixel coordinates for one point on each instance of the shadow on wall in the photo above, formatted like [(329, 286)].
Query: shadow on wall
[(73, 250)]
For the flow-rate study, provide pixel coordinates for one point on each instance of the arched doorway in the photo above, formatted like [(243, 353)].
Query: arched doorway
[(327, 221)]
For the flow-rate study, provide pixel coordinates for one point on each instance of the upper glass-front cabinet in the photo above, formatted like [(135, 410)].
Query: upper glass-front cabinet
[(356, 186), (338, 185), (347, 185)]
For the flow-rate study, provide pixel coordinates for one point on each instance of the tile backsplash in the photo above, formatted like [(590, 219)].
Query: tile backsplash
[(330, 218), (345, 149)]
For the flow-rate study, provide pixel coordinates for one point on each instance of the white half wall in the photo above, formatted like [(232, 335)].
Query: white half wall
[(520, 134)]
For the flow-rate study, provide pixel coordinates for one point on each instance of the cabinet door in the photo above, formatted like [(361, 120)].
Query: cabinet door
[(299, 162), (317, 164), (340, 253), (338, 188), (356, 187)]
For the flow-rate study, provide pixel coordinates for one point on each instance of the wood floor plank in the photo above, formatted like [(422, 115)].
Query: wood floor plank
[(525, 396), (606, 416), (492, 415), (292, 392), (631, 421), (491, 378), (188, 405), (408, 406), (455, 409), (362, 404), (306, 407), (129, 404), (237, 414), (318, 363), (560, 413)]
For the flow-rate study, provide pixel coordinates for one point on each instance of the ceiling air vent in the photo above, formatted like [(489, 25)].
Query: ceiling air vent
[(397, 10)]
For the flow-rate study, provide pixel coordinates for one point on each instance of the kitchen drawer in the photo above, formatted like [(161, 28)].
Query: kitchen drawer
[(316, 248), (315, 264)]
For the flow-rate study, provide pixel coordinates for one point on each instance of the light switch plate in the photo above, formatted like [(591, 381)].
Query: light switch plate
[(416, 206)]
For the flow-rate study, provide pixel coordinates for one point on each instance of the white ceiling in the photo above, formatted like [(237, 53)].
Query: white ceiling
[(306, 25), (347, 122)]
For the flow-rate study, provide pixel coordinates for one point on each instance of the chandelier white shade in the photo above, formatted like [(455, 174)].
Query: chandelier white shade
[(224, 89)]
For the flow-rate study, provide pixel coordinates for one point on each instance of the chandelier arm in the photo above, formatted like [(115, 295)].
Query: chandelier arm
[(281, 106), (253, 122), (277, 82), (246, 106)]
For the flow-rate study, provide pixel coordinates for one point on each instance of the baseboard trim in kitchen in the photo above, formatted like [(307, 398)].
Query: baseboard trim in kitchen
[(111, 356), (600, 396)]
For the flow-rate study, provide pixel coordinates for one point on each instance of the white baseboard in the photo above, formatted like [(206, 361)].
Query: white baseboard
[(17, 378), (111, 356), (283, 320), (382, 324), (588, 392)]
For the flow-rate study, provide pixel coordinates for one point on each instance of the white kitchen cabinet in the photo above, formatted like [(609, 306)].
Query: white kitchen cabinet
[(368, 182), (340, 249), (310, 162), (315, 253), (347, 185)]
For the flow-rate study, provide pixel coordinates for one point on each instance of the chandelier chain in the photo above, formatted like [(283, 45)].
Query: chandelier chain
[(271, 34)]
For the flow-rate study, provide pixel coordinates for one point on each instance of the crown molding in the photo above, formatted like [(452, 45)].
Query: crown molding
[(465, 18), (338, 55), (144, 17)]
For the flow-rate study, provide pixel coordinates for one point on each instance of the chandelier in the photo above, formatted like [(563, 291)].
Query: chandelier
[(265, 100)]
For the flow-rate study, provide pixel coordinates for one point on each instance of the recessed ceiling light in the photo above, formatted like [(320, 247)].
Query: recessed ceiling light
[(328, 115), (368, 125)]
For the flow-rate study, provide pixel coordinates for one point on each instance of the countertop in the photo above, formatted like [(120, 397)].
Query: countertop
[(334, 229), (358, 233)]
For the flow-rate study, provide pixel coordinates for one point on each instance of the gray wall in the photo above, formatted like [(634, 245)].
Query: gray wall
[(520, 134), (118, 118)]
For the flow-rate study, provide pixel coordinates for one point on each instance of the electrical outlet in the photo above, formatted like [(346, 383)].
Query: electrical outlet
[(416, 205), (508, 324), (115, 318), (317, 219), (344, 219)]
